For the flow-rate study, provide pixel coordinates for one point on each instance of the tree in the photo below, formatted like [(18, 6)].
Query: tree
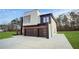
[(75, 20), (59, 23)]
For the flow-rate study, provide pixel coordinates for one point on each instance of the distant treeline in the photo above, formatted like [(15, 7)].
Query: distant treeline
[(12, 26), (68, 22)]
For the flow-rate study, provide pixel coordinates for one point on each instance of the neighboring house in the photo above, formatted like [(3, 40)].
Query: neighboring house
[(1, 30), (12, 26), (34, 24)]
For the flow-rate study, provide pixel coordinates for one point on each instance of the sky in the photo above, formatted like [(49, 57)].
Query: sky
[(6, 15)]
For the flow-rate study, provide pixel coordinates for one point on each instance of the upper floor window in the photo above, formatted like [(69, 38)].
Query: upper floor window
[(45, 19)]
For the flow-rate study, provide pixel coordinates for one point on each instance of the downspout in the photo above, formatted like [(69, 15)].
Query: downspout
[(51, 27), (21, 24)]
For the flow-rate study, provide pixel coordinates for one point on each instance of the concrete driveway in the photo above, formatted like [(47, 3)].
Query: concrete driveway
[(59, 41)]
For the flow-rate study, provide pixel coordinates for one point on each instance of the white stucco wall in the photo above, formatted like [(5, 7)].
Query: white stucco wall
[(35, 19), (53, 25), (52, 28)]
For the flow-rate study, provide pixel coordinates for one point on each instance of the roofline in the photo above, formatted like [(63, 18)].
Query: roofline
[(46, 14), (30, 11)]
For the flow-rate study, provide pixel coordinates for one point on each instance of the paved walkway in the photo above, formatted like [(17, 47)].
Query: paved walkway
[(59, 41)]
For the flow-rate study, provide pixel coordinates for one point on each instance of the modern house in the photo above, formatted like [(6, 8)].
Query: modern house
[(35, 24)]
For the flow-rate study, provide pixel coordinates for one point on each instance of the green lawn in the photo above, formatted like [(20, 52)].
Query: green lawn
[(73, 37), (4, 35)]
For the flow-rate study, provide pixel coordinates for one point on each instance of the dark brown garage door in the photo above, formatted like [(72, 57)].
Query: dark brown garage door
[(38, 31), (43, 32), (31, 32)]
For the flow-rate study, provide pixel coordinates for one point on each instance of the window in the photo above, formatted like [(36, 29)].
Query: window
[(45, 19)]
